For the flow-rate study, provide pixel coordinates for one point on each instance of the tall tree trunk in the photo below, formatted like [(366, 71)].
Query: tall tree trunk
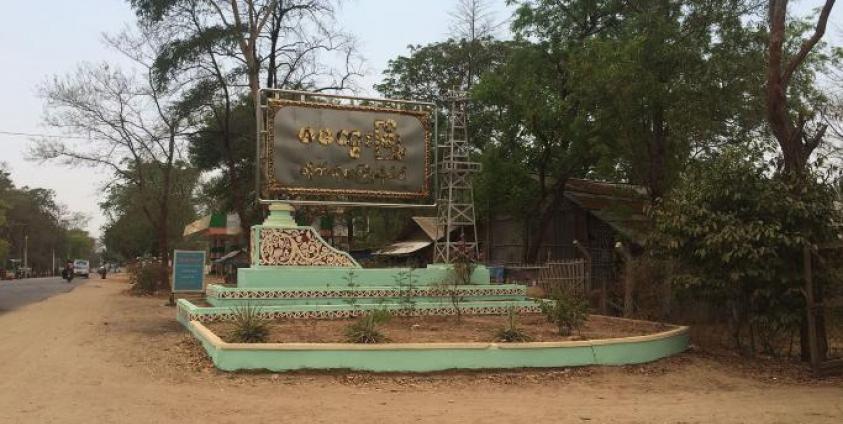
[(796, 146), (257, 19), (164, 252), (164, 216), (657, 155), (237, 197), (547, 211)]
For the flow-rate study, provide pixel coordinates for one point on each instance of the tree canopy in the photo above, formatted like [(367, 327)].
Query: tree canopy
[(32, 220)]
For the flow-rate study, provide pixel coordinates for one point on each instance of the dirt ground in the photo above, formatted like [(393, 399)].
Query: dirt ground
[(96, 355), (477, 328)]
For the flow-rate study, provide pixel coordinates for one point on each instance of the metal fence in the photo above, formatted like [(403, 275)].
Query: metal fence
[(825, 302), (834, 327), (569, 276)]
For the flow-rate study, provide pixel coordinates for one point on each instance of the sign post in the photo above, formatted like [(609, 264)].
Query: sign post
[(188, 271)]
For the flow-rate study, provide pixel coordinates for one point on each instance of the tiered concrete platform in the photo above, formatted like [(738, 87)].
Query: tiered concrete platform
[(296, 274), (341, 292)]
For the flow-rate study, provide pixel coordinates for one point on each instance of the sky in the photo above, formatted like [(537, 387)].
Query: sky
[(51, 37)]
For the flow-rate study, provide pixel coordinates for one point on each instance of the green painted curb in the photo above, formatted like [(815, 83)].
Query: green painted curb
[(418, 357)]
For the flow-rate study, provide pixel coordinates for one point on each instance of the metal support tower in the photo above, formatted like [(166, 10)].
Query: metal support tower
[(455, 199)]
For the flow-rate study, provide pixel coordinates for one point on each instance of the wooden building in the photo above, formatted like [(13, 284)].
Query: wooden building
[(596, 214)]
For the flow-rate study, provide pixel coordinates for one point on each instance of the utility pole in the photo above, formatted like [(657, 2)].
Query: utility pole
[(25, 250)]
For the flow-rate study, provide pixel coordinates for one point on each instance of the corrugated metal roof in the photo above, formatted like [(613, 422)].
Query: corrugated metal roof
[(229, 256), (194, 227), (621, 206), (402, 248), (428, 225)]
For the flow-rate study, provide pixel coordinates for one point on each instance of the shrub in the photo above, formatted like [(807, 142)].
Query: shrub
[(651, 278), (143, 277), (249, 326), (463, 268), (365, 329), (511, 333), (566, 311), (736, 229)]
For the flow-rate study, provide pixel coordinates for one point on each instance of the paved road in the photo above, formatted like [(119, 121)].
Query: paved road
[(17, 293)]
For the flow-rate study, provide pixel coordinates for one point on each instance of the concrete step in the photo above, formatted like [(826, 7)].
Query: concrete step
[(187, 311), (327, 295)]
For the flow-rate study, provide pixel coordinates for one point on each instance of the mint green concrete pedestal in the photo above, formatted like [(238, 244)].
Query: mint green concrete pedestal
[(309, 269)]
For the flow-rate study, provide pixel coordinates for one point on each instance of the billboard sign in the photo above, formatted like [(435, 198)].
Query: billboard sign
[(188, 271), (329, 149)]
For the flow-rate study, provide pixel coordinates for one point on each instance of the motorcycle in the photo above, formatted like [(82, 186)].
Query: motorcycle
[(67, 274)]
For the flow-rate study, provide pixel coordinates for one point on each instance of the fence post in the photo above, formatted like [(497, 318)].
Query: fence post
[(810, 308), (628, 305), (587, 255)]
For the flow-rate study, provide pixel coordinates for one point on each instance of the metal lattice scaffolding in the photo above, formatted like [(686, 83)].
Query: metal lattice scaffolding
[(456, 226)]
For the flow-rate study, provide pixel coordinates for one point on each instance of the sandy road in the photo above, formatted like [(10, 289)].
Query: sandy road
[(96, 355)]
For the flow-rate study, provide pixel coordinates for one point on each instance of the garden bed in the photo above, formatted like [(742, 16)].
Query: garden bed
[(446, 329)]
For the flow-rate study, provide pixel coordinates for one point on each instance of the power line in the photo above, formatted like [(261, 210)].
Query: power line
[(23, 134)]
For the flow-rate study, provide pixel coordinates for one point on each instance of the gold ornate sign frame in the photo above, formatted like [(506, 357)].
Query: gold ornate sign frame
[(275, 100)]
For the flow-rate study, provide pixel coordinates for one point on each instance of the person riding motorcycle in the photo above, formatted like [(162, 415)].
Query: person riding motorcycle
[(67, 272), (103, 271)]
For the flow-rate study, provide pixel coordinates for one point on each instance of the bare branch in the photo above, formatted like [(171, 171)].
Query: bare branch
[(809, 44)]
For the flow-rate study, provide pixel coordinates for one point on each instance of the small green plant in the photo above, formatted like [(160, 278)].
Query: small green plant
[(249, 326), (456, 298), (352, 287), (566, 311), (462, 267), (365, 328), (511, 333), (406, 282)]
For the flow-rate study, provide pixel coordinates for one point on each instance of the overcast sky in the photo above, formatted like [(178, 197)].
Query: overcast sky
[(49, 37)]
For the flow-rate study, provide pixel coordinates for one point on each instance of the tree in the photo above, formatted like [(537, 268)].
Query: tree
[(667, 79), (240, 22), (129, 124), (472, 20), (794, 115), (36, 226), (220, 44), (539, 121), (538, 126), (80, 245), (5, 188), (787, 115), (127, 234), (624, 91), (472, 24), (738, 241), (433, 72)]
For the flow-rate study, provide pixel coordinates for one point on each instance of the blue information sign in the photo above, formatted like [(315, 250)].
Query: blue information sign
[(188, 271)]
